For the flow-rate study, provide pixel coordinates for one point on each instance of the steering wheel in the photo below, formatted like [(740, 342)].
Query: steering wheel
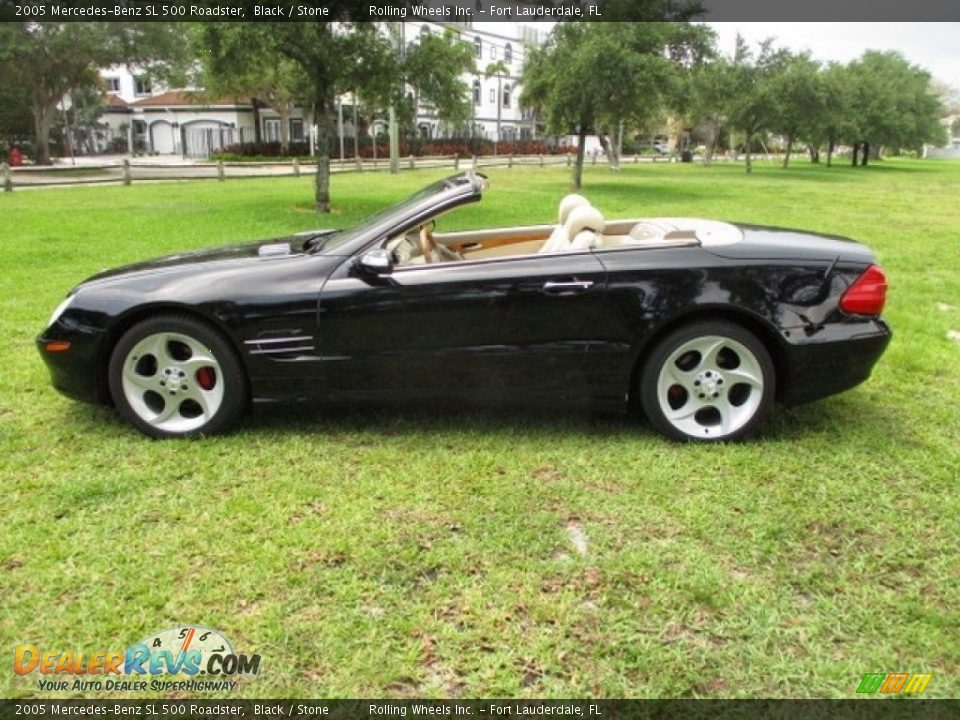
[(428, 244)]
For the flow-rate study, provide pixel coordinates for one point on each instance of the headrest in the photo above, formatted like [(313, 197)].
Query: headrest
[(569, 203), (648, 231), (585, 218)]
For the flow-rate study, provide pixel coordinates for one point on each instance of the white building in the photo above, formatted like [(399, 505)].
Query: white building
[(504, 42), (170, 121)]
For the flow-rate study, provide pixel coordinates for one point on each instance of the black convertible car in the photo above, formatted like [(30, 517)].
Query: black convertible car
[(702, 323)]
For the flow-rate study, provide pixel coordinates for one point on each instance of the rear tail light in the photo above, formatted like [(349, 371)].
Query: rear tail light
[(867, 295)]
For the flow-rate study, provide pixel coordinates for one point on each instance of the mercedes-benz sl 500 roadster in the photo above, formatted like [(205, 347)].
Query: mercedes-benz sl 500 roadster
[(700, 323)]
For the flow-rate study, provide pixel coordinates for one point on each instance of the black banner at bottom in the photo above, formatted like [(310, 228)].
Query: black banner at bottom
[(477, 709)]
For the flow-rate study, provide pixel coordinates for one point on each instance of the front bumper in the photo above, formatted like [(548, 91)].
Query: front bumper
[(80, 372)]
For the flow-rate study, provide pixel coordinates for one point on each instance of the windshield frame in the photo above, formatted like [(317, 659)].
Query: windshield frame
[(424, 203)]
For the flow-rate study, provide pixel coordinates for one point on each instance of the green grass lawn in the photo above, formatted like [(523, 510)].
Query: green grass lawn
[(416, 552)]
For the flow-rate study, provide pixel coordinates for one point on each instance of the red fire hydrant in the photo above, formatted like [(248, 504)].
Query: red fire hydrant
[(16, 157)]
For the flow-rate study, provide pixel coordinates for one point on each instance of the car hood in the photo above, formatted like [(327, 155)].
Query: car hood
[(255, 252)]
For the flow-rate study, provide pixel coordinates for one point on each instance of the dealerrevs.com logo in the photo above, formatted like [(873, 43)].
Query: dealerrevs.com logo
[(199, 658)]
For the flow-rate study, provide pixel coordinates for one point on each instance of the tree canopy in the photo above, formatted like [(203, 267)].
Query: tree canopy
[(338, 57), (893, 102), (45, 61), (879, 100), (591, 77)]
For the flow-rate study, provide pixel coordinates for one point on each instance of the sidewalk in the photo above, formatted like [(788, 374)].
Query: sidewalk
[(117, 160)]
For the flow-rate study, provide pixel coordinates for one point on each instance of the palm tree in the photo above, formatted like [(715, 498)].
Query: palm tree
[(499, 69)]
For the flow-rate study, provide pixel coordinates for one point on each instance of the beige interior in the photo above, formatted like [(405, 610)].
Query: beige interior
[(529, 239)]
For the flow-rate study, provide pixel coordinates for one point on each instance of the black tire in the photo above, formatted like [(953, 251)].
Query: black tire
[(708, 381), (178, 368)]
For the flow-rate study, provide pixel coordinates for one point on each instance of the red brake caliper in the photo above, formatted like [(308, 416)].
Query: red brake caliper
[(206, 378)]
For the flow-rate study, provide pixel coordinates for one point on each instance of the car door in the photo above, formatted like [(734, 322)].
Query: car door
[(493, 329)]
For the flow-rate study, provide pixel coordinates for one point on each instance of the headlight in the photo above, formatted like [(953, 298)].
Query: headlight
[(60, 308)]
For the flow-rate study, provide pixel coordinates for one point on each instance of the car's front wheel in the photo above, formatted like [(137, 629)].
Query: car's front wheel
[(175, 376), (710, 380)]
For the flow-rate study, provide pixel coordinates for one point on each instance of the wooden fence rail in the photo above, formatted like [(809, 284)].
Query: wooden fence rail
[(127, 173)]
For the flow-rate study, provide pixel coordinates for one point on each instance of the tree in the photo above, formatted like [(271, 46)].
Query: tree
[(82, 119), (433, 68), (709, 87), (49, 60), (341, 56), (16, 122), (836, 115), (499, 69), (749, 108), (949, 96), (798, 99), (590, 77), (234, 62), (894, 104)]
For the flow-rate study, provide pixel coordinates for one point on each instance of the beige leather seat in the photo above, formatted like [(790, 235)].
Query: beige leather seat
[(558, 240), (585, 229)]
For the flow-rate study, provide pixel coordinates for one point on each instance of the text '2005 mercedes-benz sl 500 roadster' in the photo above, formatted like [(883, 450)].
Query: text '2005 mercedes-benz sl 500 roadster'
[(703, 324)]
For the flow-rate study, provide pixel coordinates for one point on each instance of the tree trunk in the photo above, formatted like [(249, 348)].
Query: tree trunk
[(711, 143), (499, 107), (356, 128), (866, 154), (285, 113), (830, 145), (855, 156), (581, 148), (749, 137), (326, 118), (814, 154), (786, 156), (256, 121), (41, 125), (610, 150)]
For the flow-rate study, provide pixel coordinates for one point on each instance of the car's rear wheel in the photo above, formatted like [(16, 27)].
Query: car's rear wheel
[(175, 376), (710, 380)]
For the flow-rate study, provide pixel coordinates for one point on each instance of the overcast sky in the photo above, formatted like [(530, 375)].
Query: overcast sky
[(934, 46)]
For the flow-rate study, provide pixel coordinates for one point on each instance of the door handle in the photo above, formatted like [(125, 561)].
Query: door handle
[(567, 287)]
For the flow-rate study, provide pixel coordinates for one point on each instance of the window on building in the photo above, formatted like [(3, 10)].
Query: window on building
[(143, 86), (493, 52), (493, 96), (296, 129), (139, 127), (113, 84), (506, 96), (476, 92), (508, 53), (271, 130), (478, 48)]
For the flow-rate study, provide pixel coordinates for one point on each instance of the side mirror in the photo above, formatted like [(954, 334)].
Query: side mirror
[(377, 262)]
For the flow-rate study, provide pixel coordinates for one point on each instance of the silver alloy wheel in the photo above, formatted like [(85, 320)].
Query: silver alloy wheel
[(172, 382), (710, 387)]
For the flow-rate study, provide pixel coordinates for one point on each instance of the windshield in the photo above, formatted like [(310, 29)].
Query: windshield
[(331, 242)]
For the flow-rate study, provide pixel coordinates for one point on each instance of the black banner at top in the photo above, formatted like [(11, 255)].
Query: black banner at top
[(471, 11)]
